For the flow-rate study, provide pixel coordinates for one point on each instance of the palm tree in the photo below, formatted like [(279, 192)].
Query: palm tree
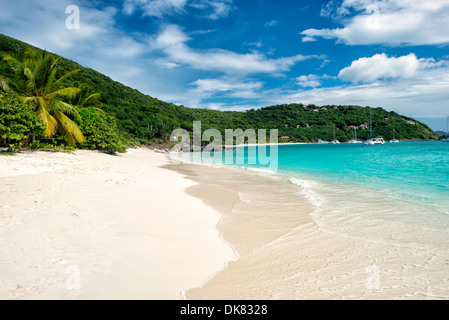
[(84, 98), (35, 80)]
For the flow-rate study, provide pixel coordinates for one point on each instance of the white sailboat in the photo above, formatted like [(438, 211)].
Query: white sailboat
[(394, 140), (354, 137), (446, 130), (373, 141), (335, 141)]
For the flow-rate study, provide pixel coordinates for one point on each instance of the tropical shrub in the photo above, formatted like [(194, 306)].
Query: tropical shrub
[(35, 80), (18, 123), (100, 132)]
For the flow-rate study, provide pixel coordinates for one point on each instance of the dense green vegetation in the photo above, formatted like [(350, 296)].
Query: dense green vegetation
[(310, 123), (18, 123), (66, 109), (35, 82), (144, 119), (100, 131)]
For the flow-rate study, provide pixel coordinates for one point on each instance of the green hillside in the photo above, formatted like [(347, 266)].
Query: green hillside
[(310, 123), (147, 119), (140, 115)]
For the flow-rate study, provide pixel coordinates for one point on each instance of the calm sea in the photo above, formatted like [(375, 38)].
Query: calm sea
[(392, 193)]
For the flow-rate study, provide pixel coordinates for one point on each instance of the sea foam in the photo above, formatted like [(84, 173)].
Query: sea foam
[(306, 190)]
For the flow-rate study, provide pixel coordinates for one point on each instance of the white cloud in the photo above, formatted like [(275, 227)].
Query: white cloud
[(172, 41), (311, 80), (224, 84), (171, 36), (215, 9), (120, 72), (166, 63), (308, 39), (409, 85), (120, 46), (232, 87), (154, 8), (272, 23), (246, 94), (98, 44), (425, 94), (221, 9), (203, 31), (47, 30), (380, 66), (392, 22), (257, 44)]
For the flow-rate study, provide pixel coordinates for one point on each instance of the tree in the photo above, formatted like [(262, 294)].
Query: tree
[(18, 121), (84, 98), (35, 81), (101, 132)]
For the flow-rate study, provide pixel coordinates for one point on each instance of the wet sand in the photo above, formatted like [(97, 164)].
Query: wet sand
[(284, 255), (137, 226)]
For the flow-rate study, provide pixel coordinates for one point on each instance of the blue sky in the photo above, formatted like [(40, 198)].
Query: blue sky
[(242, 54)]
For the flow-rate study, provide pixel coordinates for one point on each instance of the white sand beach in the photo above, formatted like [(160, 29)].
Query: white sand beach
[(136, 226), (89, 225), (285, 255)]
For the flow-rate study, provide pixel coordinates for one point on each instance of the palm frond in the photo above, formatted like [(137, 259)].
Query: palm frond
[(69, 128), (78, 99), (64, 93), (31, 87), (32, 54), (55, 62), (100, 111), (58, 82), (50, 80), (9, 85), (35, 77), (25, 100), (13, 63), (93, 99), (44, 71), (44, 114), (66, 108)]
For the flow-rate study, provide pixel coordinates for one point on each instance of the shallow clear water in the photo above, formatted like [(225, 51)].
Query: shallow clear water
[(397, 193), (392, 193)]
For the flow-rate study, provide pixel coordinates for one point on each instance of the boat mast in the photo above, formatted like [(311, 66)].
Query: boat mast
[(446, 127)]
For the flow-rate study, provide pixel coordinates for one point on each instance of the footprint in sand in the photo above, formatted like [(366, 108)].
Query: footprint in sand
[(6, 220), (17, 291), (57, 261)]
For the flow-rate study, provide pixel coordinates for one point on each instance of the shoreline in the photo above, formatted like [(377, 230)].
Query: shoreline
[(224, 190), (286, 255), (109, 222), (140, 226)]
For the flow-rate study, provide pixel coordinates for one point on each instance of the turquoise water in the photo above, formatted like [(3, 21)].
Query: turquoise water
[(394, 193), (411, 170)]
